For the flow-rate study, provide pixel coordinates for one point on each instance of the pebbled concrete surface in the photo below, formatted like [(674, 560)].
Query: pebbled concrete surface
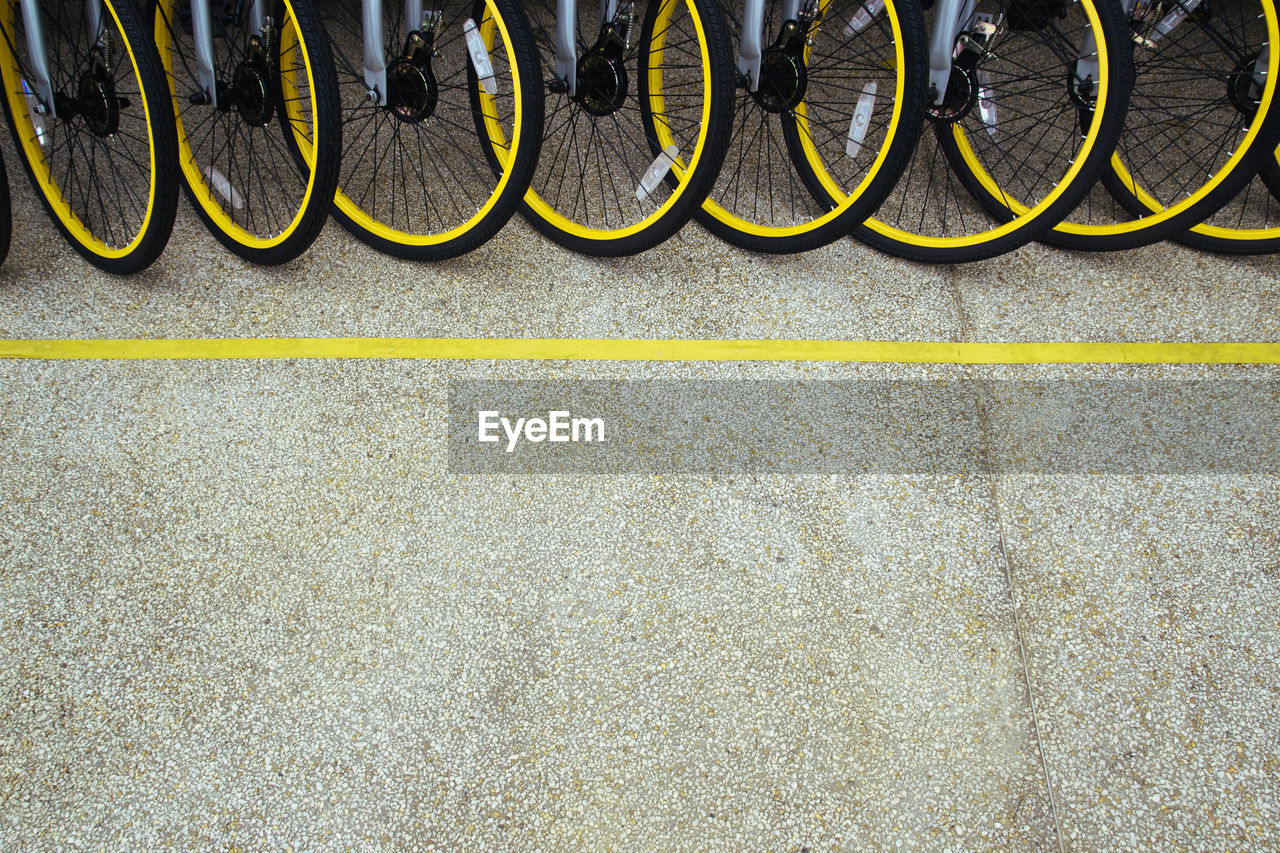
[(256, 607), (1148, 605), (244, 605)]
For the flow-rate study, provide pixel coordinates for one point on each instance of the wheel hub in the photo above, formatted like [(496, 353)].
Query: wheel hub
[(97, 104), (602, 83), (1083, 93), (250, 94), (959, 99), (783, 80), (1240, 86), (412, 91)]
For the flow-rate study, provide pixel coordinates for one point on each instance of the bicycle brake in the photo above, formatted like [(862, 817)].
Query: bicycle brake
[(615, 36), (261, 45), (103, 58), (974, 43)]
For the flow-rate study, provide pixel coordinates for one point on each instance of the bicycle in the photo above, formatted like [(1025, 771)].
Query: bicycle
[(1010, 84), (258, 131), (442, 110), (91, 121), (638, 116), (830, 103), (1200, 122)]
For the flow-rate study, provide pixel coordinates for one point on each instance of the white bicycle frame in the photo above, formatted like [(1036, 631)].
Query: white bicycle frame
[(201, 31), (202, 35), (566, 42), (375, 56), (36, 49), (750, 48)]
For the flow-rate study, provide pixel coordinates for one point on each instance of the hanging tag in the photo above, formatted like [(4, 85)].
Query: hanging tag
[(986, 104), (863, 17), (656, 172), (480, 57), (37, 120), (222, 187), (861, 119)]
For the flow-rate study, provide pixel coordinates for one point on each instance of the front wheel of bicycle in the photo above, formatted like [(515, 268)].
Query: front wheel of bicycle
[(259, 141), (631, 150), (1009, 157), (437, 161), (97, 141), (826, 134)]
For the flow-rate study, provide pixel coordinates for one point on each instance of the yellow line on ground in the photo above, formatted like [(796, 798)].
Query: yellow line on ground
[(524, 349)]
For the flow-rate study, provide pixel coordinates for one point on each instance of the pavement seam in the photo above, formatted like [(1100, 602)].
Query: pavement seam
[(983, 426), (984, 429)]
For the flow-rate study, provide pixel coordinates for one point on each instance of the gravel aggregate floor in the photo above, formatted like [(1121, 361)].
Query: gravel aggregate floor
[(245, 604)]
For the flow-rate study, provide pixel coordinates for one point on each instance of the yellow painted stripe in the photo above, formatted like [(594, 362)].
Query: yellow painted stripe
[(523, 349)]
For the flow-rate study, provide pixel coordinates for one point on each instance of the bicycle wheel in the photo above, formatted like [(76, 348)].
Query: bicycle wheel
[(97, 142), (437, 161), (1200, 122), (630, 153), (826, 135), (259, 139), (1008, 157), (1247, 225)]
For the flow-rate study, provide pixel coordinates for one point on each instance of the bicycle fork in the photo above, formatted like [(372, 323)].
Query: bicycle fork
[(420, 24), (32, 20), (611, 12), (202, 35), (751, 44), (375, 52)]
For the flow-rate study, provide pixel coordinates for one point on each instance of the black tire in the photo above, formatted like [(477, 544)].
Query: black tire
[(1247, 225), (1270, 173), (6, 213)]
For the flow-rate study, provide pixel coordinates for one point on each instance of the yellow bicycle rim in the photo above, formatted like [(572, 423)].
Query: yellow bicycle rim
[(1159, 213), (1022, 214), (842, 200)]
